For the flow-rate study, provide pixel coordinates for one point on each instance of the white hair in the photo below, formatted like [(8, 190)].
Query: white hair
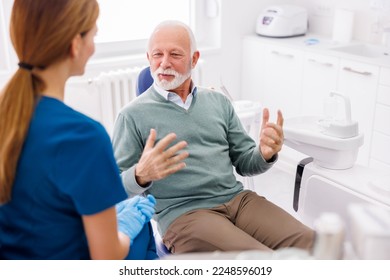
[(177, 23)]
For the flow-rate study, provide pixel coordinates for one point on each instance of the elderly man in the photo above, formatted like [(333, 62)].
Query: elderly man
[(200, 204)]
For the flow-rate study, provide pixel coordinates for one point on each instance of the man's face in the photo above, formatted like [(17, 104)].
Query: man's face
[(170, 57)]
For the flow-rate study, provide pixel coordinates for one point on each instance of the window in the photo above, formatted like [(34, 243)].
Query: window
[(124, 20), (124, 26), (133, 21)]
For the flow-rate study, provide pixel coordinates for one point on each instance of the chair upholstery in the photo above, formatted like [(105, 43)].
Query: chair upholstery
[(144, 81)]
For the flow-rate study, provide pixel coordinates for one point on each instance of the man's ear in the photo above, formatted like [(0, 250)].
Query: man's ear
[(75, 46), (195, 58)]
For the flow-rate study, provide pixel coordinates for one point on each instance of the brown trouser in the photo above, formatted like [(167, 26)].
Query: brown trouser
[(247, 222)]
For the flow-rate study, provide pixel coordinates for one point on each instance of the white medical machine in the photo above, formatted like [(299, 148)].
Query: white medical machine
[(330, 181), (282, 21)]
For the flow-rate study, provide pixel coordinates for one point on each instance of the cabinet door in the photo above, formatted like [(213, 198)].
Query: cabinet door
[(380, 152), (359, 82), (253, 70), (319, 78), (282, 85)]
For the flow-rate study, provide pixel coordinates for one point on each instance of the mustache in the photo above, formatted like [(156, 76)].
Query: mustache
[(166, 72)]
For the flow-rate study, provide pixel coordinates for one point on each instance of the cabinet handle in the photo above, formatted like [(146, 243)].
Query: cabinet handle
[(365, 73), (326, 64), (282, 54)]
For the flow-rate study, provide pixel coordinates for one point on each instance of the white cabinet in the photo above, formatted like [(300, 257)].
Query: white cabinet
[(319, 78), (359, 81), (380, 151), (272, 76), (296, 79), (282, 87)]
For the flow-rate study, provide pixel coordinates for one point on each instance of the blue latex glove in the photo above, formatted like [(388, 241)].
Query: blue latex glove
[(146, 206), (151, 199), (121, 205), (130, 219)]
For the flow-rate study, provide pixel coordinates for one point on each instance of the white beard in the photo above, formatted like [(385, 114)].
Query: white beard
[(169, 85)]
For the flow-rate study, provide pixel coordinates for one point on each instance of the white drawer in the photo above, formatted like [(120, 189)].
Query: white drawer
[(385, 76), (384, 95), (318, 60), (382, 119), (380, 147)]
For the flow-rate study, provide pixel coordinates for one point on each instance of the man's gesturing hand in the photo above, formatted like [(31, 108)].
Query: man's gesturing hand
[(157, 162), (271, 135)]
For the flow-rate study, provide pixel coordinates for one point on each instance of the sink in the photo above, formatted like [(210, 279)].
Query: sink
[(365, 50), (305, 134)]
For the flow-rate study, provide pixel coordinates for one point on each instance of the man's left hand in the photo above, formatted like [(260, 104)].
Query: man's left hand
[(271, 135)]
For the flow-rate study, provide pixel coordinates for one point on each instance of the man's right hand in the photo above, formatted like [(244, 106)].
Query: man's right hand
[(157, 162)]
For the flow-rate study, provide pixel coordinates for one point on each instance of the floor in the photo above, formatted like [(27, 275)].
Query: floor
[(277, 185)]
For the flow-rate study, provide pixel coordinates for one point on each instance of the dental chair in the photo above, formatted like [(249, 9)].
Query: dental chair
[(144, 81), (250, 115)]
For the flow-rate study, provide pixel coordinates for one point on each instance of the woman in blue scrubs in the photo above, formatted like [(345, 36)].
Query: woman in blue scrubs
[(61, 196)]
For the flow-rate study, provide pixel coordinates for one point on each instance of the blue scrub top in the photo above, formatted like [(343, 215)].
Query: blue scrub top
[(66, 169)]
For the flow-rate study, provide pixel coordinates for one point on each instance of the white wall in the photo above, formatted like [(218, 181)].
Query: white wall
[(238, 19)]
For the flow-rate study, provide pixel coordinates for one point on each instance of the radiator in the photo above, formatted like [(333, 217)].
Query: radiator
[(103, 96), (115, 90)]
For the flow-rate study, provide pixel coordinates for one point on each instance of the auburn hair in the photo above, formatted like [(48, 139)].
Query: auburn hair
[(41, 32)]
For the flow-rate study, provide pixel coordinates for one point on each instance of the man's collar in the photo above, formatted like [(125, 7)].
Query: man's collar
[(164, 93)]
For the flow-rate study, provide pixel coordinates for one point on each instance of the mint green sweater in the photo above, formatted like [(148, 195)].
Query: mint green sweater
[(216, 142)]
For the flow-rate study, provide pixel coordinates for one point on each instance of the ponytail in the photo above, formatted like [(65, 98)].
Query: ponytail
[(16, 108)]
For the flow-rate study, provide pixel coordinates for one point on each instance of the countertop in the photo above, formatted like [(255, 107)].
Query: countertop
[(325, 46)]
